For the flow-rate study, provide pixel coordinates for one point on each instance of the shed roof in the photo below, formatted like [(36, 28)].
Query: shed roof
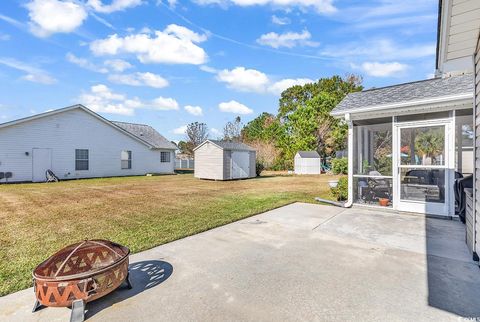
[(147, 134), (229, 145), (309, 154), (386, 97)]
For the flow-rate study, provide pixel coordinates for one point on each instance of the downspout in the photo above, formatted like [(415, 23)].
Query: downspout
[(349, 201)]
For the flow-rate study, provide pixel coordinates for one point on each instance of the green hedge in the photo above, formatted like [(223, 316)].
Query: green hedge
[(340, 166), (341, 191)]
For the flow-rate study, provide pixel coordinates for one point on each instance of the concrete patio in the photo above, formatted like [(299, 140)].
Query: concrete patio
[(301, 262)]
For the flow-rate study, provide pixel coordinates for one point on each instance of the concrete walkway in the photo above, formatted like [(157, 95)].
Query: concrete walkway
[(299, 263)]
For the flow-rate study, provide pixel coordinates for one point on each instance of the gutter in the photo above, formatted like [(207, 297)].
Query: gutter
[(418, 103)]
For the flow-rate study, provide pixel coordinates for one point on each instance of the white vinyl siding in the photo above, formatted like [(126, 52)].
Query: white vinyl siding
[(75, 129), (212, 162), (126, 160), (306, 165)]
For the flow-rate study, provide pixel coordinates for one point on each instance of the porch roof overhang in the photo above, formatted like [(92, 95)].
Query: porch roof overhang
[(458, 31), (433, 95)]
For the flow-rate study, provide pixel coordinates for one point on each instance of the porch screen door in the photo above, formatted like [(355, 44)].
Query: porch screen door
[(422, 168)]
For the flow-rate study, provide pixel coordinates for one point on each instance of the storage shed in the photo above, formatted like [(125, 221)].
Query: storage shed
[(307, 162), (224, 160)]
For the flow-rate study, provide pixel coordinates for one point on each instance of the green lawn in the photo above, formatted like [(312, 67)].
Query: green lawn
[(139, 212)]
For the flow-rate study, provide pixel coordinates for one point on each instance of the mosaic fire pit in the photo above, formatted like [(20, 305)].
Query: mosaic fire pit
[(80, 273)]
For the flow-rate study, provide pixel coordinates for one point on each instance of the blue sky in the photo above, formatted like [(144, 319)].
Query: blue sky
[(169, 63)]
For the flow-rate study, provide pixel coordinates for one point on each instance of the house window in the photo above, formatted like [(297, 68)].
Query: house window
[(81, 159), (126, 157), (164, 157)]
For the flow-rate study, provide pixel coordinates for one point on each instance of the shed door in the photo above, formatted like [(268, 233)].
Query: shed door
[(240, 164), (42, 161)]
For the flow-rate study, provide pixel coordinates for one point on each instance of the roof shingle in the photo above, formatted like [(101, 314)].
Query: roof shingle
[(409, 92), (147, 134), (309, 154), (229, 145)]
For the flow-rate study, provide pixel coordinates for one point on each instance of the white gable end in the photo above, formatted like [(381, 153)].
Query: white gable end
[(66, 131)]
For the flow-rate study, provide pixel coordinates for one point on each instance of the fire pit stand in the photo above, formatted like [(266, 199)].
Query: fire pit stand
[(80, 273)]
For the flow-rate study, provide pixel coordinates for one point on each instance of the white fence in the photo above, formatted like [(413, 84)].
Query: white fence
[(184, 164)]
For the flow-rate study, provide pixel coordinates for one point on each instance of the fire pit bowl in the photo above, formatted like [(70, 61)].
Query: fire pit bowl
[(81, 273)]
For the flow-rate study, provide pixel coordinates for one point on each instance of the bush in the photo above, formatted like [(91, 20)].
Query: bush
[(341, 191), (259, 167), (340, 166)]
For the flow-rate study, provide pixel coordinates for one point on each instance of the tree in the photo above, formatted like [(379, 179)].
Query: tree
[(196, 134), (183, 146), (265, 127), (336, 86), (232, 130)]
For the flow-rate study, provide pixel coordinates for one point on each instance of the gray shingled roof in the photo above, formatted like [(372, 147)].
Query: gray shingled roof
[(147, 134), (409, 92), (309, 154), (229, 145)]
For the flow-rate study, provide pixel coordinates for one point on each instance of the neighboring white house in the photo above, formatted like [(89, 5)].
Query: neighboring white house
[(307, 162), (74, 142), (224, 160)]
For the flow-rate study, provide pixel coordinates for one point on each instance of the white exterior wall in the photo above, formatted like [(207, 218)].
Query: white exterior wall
[(209, 161), (307, 165), (75, 129)]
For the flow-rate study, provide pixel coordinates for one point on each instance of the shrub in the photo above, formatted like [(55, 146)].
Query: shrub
[(259, 167), (340, 166), (341, 191)]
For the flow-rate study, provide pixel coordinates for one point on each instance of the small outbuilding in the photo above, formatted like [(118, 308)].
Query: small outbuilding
[(224, 160), (307, 162)]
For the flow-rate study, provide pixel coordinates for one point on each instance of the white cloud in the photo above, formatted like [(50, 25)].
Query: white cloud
[(174, 45), (40, 78), (84, 63), (215, 132), (379, 49), (12, 21), (245, 80), (139, 79), (234, 107), (115, 5), (102, 99), (278, 87), (33, 74), (180, 130), (208, 69), (53, 16), (280, 20), (377, 69), (164, 104), (4, 37), (288, 39), (251, 80), (320, 6), (194, 110), (117, 65)]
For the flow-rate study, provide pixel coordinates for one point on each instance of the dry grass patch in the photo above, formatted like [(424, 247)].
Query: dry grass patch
[(139, 212)]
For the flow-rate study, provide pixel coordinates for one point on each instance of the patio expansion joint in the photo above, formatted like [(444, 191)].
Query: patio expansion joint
[(329, 219)]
